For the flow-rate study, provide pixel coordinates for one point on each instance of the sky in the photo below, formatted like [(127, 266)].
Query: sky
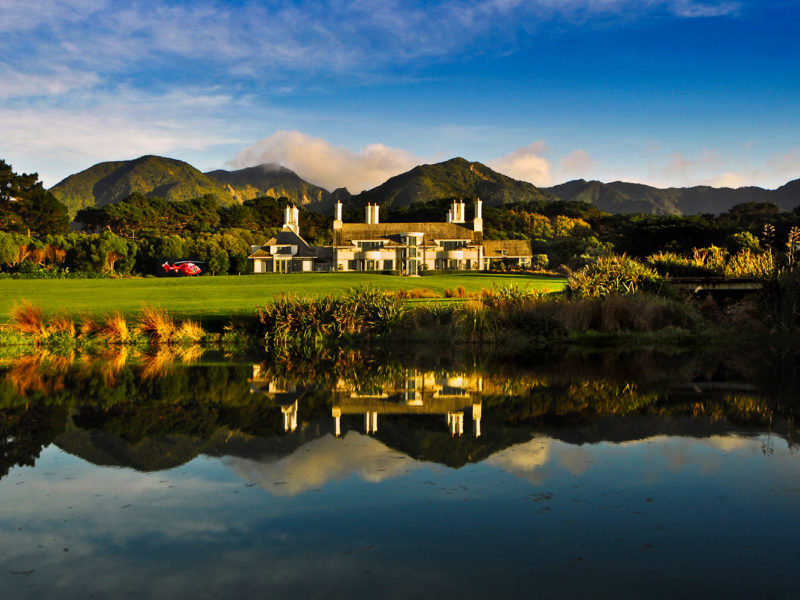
[(351, 92)]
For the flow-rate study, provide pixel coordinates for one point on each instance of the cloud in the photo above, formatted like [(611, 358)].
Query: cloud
[(318, 161), (729, 179), (693, 10), (324, 460), (576, 164), (526, 164), (59, 140)]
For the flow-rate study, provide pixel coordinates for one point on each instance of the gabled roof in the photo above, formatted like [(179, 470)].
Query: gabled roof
[(392, 232), (286, 237), (260, 253), (506, 248)]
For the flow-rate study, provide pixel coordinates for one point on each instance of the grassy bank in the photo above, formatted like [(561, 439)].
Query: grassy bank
[(214, 298)]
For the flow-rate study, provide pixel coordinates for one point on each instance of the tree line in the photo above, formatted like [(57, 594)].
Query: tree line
[(38, 238)]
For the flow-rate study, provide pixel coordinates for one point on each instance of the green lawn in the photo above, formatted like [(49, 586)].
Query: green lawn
[(209, 298)]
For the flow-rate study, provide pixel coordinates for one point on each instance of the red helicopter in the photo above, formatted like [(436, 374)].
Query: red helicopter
[(182, 267)]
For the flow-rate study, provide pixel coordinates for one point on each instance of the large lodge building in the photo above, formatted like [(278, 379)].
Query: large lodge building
[(406, 248)]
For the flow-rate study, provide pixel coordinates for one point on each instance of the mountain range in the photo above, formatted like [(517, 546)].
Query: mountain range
[(110, 182)]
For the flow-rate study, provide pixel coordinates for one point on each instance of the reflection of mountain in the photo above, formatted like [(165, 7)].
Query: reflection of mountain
[(452, 418)]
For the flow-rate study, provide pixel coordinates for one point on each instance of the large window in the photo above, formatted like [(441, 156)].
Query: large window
[(454, 244), (367, 246)]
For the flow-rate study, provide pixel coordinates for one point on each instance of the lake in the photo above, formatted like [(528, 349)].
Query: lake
[(623, 475)]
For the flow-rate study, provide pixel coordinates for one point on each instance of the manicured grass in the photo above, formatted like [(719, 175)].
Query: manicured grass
[(210, 298)]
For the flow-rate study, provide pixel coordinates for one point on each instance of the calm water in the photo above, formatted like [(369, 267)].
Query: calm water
[(602, 476)]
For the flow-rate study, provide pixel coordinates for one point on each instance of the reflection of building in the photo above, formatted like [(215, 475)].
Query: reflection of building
[(407, 248), (284, 394), (419, 393)]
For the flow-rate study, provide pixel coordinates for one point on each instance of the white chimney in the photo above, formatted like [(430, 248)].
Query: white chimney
[(375, 216), (457, 212), (291, 219), (369, 214), (337, 215), (478, 222)]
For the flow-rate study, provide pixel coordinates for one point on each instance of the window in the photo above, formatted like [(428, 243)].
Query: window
[(352, 265), (388, 265), (454, 244), (367, 246)]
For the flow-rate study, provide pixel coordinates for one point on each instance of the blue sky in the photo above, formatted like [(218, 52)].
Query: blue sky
[(348, 93)]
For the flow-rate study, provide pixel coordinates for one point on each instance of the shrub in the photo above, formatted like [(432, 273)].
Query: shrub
[(781, 301), (614, 275)]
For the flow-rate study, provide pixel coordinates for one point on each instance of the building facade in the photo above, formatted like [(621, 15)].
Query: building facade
[(405, 248)]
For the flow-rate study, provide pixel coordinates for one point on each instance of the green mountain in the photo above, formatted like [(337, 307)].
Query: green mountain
[(110, 182), (453, 178), (622, 197), (276, 181)]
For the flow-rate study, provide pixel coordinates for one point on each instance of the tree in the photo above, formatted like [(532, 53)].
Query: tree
[(26, 207)]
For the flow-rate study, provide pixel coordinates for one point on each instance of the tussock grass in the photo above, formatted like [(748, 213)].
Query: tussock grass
[(62, 324), (156, 324), (28, 318), (190, 330), (114, 330)]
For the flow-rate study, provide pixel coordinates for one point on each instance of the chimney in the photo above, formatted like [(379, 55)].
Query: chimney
[(337, 215), (372, 214), (478, 222), (291, 219), (457, 212)]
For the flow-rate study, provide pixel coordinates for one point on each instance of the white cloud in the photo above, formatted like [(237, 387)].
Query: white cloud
[(576, 164), (323, 460), (729, 180), (318, 161), (57, 141), (526, 164)]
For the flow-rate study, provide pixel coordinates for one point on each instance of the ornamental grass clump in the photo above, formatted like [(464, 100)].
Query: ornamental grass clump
[(156, 324), (113, 330), (614, 275), (28, 319)]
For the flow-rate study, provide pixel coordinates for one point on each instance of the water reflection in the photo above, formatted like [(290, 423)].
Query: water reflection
[(626, 475)]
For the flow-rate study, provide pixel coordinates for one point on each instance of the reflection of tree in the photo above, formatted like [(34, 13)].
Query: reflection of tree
[(24, 431)]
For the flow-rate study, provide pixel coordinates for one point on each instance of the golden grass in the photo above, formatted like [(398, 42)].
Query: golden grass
[(416, 293), (191, 330), (115, 329), (157, 324), (28, 318), (62, 324)]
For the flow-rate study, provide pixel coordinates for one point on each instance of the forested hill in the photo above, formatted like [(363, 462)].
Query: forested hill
[(621, 197), (276, 181), (175, 180), (110, 182), (456, 177)]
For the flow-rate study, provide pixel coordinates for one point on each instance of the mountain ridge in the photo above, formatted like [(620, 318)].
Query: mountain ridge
[(112, 181)]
